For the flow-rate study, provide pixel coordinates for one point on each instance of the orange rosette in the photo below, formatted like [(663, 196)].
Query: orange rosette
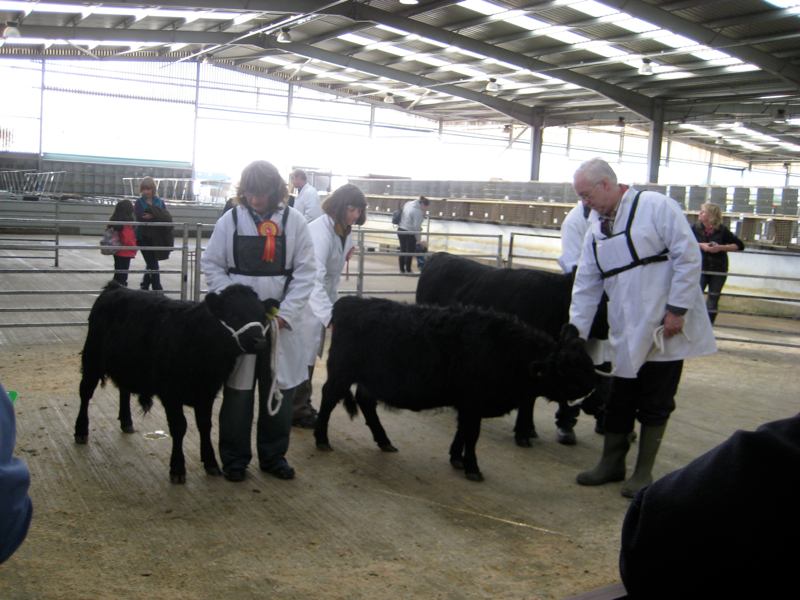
[(268, 229)]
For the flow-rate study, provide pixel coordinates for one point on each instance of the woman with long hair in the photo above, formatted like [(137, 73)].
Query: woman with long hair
[(265, 244), (333, 245), (148, 199)]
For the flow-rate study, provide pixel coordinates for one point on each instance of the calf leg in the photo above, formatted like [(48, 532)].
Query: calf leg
[(470, 428), (369, 407), (524, 429), (125, 419), (202, 417), (457, 450), (330, 398), (87, 387), (177, 429)]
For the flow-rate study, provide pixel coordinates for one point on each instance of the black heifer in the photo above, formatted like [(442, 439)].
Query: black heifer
[(539, 298), (180, 351), (422, 357)]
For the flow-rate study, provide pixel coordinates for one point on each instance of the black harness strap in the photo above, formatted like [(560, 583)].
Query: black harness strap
[(637, 262)]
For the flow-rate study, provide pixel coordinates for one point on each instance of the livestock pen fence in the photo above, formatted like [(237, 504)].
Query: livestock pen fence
[(46, 273)]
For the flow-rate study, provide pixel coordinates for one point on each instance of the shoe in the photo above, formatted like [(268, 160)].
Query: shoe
[(307, 422), (566, 436), (598, 428), (235, 475), (284, 472)]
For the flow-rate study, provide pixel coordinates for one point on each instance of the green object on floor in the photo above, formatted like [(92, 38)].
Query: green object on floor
[(13, 396)]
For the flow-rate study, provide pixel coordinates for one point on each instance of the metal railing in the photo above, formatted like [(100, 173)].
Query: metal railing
[(30, 182)]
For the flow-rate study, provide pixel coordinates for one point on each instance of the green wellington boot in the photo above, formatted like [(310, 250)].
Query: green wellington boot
[(648, 450), (612, 463)]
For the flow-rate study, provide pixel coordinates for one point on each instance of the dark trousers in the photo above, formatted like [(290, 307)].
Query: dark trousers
[(408, 243), (236, 422), (649, 399), (715, 284), (122, 263), (302, 398), (152, 277)]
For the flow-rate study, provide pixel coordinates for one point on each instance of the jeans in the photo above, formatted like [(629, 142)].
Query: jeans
[(715, 284), (122, 263), (152, 277), (408, 243)]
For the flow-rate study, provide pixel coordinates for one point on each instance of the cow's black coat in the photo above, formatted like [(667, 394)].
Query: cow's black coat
[(180, 351), (480, 362), (539, 298)]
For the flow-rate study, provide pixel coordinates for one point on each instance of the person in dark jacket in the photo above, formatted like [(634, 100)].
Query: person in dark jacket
[(16, 508), (723, 526), (716, 241), (148, 199)]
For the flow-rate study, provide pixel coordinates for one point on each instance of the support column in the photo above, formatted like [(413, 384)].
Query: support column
[(289, 107), (194, 131), (41, 120), (654, 143), (537, 131)]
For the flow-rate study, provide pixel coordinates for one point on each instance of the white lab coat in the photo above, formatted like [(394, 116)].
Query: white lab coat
[(638, 297), (307, 203), (330, 257), (218, 258), (573, 230)]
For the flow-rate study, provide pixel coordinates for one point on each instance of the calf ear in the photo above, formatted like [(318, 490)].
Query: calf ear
[(569, 332), (213, 302), (271, 306)]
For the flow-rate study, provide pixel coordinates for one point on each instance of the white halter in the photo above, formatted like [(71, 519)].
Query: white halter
[(274, 329)]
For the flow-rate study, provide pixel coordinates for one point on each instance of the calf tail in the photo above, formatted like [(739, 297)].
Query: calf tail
[(146, 402), (350, 404)]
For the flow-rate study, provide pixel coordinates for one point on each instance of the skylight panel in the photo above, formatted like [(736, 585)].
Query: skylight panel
[(463, 70), (340, 77), (391, 29), (636, 25), (390, 49), (431, 60), (593, 9), (480, 6), (356, 39), (526, 22), (675, 75), (743, 68), (607, 51), (784, 3), (676, 41), (568, 37), (710, 54)]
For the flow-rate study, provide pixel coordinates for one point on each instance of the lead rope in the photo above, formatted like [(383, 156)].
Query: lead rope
[(274, 392), (658, 341)]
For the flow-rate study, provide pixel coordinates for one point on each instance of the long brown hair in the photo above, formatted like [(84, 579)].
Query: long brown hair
[(335, 205), (123, 211), (261, 178)]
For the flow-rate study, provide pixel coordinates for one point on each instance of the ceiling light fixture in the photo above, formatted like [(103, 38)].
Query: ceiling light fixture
[(284, 37), (646, 68), (621, 122), (492, 85), (389, 98), (11, 30), (508, 129), (781, 117), (719, 141)]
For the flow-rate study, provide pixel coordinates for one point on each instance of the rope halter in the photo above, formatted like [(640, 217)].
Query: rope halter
[(236, 334)]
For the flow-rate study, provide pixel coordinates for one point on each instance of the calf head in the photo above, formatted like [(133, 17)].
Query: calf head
[(568, 373), (243, 314)]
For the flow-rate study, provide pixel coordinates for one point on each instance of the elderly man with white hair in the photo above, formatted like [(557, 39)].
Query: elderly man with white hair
[(641, 251)]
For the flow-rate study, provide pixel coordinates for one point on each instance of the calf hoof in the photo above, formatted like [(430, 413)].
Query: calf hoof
[(181, 478), (215, 471), (81, 438), (388, 448), (475, 476), (128, 429), (324, 446), (457, 463), (523, 442)]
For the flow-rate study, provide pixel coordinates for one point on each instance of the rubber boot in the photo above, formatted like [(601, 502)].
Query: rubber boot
[(649, 443), (612, 463)]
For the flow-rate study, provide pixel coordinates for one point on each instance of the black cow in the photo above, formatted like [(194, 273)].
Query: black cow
[(180, 351), (539, 298), (480, 362)]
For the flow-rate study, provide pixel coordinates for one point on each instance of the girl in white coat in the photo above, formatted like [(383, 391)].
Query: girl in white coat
[(265, 244), (331, 234)]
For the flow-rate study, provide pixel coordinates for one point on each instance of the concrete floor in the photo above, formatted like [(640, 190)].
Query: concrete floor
[(355, 523)]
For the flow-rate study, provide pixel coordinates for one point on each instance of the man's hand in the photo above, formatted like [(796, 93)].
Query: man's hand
[(281, 323), (673, 324)]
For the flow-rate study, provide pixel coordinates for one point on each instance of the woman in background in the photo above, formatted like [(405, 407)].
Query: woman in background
[(148, 198), (715, 241), (123, 211), (331, 234)]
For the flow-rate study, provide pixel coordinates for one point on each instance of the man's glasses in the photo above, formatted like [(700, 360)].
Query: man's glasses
[(587, 195)]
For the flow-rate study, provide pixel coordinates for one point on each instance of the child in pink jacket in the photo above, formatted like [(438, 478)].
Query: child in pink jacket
[(122, 259)]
